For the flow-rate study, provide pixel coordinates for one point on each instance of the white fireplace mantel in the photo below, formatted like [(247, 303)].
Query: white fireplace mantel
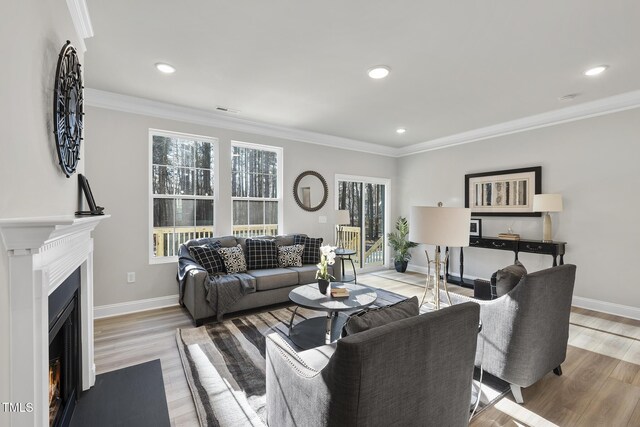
[(43, 252)]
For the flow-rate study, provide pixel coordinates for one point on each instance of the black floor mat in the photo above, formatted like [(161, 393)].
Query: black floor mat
[(132, 396)]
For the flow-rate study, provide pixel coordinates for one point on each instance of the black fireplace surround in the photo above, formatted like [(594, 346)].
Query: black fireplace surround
[(64, 350)]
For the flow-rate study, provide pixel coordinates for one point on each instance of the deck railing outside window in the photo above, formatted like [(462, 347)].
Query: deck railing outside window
[(167, 240)]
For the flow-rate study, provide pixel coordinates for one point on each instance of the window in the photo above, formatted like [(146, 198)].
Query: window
[(182, 191), (256, 186)]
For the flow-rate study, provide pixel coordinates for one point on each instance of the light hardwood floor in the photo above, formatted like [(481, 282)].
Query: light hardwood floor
[(600, 385)]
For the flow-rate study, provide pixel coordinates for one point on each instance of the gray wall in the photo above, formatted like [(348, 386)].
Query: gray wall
[(593, 163), (118, 169), (33, 32)]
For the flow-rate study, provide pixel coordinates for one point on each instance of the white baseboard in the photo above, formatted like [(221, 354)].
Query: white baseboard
[(588, 303), (607, 307), (121, 308)]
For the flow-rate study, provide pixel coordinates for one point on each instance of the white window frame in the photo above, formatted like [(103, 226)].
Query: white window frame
[(387, 205), (280, 153), (216, 167)]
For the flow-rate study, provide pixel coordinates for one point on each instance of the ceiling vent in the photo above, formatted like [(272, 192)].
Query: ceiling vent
[(227, 110)]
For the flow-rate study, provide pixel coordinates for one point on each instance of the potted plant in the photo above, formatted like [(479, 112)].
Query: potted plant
[(327, 258), (400, 244)]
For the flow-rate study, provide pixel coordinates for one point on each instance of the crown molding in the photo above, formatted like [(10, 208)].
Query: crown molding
[(81, 21), (612, 104), (135, 105)]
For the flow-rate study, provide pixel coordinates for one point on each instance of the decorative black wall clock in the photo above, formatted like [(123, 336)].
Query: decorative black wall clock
[(68, 109)]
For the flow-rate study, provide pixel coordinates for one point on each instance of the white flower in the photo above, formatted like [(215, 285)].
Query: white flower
[(331, 258), (328, 249)]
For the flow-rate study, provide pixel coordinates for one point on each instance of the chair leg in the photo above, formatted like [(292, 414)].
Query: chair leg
[(517, 393), (557, 370)]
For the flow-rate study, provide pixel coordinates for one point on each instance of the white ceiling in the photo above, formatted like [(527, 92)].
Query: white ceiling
[(456, 65)]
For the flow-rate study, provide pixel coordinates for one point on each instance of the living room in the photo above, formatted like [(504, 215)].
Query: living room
[(478, 89)]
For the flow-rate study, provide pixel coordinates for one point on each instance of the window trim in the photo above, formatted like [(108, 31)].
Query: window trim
[(216, 186), (280, 181), (387, 205)]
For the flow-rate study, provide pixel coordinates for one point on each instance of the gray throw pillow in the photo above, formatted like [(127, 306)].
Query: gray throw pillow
[(504, 280), (374, 317)]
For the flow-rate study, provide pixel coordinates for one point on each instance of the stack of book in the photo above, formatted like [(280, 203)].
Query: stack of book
[(339, 292), (509, 236)]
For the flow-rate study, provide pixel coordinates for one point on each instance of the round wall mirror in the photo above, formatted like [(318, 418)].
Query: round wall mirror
[(310, 191)]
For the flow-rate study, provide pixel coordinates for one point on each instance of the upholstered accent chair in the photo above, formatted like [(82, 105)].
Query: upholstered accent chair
[(525, 332), (412, 372)]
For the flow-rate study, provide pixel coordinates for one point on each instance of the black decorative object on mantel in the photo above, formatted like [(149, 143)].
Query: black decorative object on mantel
[(68, 109), (94, 209)]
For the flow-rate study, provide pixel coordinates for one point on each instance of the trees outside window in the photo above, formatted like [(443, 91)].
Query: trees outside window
[(182, 190), (256, 174)]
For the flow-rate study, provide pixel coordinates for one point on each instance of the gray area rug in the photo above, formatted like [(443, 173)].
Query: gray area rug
[(224, 364)]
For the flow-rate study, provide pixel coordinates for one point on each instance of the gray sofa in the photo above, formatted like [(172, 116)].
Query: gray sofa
[(272, 286), (525, 332), (411, 372)]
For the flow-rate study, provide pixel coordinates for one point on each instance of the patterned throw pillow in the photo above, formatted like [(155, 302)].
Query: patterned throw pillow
[(261, 253), (233, 259), (208, 257), (311, 252), (290, 256)]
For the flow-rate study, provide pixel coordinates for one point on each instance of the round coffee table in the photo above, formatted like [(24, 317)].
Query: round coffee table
[(317, 331)]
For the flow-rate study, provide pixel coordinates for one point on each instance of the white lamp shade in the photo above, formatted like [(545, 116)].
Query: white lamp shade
[(440, 226), (547, 203), (342, 217)]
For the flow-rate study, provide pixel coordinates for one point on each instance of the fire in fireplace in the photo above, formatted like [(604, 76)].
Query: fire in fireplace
[(54, 389), (64, 350)]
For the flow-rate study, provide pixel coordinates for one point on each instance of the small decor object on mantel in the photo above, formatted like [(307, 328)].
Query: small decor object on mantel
[(94, 209), (68, 109), (327, 258)]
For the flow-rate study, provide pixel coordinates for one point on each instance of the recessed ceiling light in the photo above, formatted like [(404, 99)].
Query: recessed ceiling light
[(165, 68), (596, 70), (379, 72), (401, 130)]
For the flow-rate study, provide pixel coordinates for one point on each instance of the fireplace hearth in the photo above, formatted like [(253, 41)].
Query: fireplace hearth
[(64, 350)]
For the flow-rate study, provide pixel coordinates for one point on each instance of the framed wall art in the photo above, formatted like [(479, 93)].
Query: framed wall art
[(503, 193), (475, 229)]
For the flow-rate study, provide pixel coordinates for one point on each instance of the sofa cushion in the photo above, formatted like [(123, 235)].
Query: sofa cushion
[(311, 252), (285, 239), (208, 257), (227, 241), (374, 317), (233, 258), (502, 281), (290, 256), (274, 278), (261, 253), (307, 273)]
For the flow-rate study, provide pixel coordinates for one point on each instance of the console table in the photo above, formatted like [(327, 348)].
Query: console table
[(555, 249)]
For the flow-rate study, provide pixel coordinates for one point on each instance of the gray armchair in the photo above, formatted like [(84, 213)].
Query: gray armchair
[(524, 333), (412, 372)]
